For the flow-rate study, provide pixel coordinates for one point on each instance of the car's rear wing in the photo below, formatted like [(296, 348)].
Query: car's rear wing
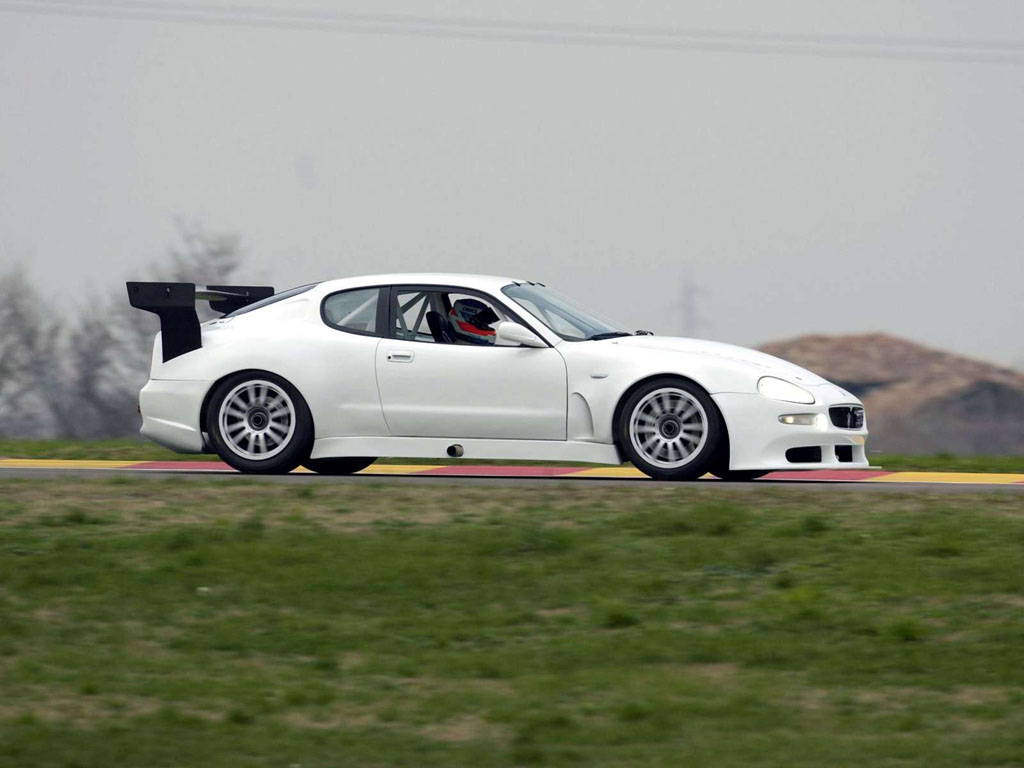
[(175, 305)]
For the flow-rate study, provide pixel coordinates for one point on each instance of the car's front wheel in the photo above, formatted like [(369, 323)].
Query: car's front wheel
[(670, 429), (259, 423), (345, 465)]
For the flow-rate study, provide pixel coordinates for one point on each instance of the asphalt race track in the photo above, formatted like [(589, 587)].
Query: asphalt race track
[(874, 479)]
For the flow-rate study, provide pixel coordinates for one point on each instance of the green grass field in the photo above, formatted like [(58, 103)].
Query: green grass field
[(194, 622), (132, 450)]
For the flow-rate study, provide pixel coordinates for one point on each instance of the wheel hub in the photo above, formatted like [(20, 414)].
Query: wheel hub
[(258, 418), (669, 427)]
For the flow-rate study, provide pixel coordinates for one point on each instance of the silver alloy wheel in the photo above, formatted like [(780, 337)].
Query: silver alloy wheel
[(257, 420), (668, 427)]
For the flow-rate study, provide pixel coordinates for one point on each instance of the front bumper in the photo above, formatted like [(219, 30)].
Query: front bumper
[(758, 440), (170, 413)]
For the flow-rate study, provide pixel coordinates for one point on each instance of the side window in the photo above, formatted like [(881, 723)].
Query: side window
[(353, 310), (473, 319), (446, 317), (412, 315)]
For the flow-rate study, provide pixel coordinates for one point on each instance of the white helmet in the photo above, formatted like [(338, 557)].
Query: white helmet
[(471, 321)]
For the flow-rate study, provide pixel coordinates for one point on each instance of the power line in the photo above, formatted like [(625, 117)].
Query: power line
[(468, 28)]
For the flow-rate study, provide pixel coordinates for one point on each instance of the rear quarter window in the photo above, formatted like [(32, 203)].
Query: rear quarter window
[(354, 310)]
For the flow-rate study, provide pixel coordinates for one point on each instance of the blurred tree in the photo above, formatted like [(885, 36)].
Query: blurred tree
[(81, 377), (28, 342)]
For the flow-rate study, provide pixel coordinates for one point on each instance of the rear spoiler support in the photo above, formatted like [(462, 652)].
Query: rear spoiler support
[(175, 305)]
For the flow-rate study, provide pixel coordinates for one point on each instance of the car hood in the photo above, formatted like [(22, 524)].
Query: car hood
[(766, 365)]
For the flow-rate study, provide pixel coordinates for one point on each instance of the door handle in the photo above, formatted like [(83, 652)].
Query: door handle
[(400, 357)]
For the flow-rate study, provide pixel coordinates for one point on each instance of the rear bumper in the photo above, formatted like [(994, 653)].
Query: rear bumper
[(758, 440), (170, 413)]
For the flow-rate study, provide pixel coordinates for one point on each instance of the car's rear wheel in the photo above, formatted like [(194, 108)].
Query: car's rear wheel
[(346, 465), (259, 423), (670, 429)]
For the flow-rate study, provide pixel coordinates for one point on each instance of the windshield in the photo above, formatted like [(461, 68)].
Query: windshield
[(562, 315)]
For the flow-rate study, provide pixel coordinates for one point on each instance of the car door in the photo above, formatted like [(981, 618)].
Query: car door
[(440, 377)]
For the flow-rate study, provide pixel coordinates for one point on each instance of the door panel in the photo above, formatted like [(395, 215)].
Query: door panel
[(453, 390)]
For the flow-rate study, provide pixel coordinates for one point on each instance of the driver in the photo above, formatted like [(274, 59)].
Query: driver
[(471, 321)]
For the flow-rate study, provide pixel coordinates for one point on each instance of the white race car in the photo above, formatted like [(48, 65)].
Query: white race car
[(334, 374)]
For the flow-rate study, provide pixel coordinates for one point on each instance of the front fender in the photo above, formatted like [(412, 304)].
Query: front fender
[(602, 374)]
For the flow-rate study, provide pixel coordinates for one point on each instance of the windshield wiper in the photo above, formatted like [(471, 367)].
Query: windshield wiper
[(607, 335)]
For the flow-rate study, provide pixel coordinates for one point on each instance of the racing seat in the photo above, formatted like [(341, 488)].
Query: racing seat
[(439, 329)]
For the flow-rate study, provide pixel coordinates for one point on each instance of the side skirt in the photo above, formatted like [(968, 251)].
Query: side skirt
[(438, 448)]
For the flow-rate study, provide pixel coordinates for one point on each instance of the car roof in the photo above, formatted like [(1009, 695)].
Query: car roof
[(491, 283)]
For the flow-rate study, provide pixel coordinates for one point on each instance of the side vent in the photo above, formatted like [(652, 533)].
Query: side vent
[(807, 455)]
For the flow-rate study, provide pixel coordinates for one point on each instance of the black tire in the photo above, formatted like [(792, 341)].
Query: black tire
[(280, 422), (674, 428), (345, 465), (738, 476)]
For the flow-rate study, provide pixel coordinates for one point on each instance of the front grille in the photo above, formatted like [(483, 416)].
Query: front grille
[(847, 416), (810, 454)]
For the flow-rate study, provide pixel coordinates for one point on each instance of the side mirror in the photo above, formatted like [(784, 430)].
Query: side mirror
[(514, 333)]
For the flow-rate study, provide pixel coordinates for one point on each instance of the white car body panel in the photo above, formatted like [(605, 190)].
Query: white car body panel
[(552, 403), (450, 390), (435, 448), (170, 413), (752, 446)]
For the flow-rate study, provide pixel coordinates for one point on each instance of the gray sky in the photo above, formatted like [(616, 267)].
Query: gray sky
[(804, 194)]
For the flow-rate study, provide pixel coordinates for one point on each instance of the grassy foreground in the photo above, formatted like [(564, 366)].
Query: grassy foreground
[(142, 450), (158, 622)]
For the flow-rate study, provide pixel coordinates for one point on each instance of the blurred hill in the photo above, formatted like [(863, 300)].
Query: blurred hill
[(919, 400)]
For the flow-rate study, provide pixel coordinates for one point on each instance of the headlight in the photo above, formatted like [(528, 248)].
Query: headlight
[(817, 420), (778, 389)]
